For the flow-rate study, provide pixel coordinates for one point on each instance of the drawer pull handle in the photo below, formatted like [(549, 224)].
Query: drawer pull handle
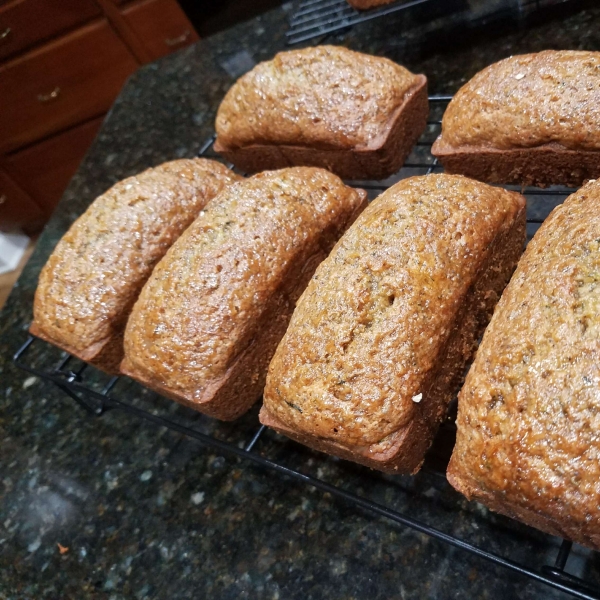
[(178, 40), (53, 95), (3, 199), (5, 34)]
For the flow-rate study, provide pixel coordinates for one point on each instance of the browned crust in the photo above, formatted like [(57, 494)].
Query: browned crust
[(406, 454), (366, 4), (550, 164), (105, 355), (379, 162), (231, 395), (564, 528)]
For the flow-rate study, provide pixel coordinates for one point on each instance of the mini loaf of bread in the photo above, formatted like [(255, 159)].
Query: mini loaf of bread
[(326, 106), (90, 282), (531, 119), (379, 340), (528, 441), (365, 4), (209, 319)]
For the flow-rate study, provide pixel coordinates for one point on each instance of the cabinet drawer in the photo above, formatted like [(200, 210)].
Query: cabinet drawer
[(63, 83), (17, 209), (161, 26), (24, 23), (44, 170)]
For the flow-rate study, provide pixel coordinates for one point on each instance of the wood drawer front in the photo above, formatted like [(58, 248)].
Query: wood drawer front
[(17, 209), (44, 170), (24, 23), (161, 26), (63, 83)]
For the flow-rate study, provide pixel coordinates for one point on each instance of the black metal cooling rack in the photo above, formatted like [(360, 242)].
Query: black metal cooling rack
[(319, 17), (314, 18), (95, 392)]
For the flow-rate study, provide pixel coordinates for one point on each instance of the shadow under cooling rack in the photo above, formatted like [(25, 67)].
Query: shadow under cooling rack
[(246, 439)]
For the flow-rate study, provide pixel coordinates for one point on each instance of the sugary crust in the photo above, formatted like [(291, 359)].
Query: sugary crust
[(404, 128), (235, 274), (326, 97), (529, 412), (527, 101), (91, 280), (393, 314), (530, 119)]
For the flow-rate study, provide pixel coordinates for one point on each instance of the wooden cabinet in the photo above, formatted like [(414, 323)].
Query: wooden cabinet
[(48, 90), (17, 209), (45, 169), (62, 64), (160, 36), (25, 23)]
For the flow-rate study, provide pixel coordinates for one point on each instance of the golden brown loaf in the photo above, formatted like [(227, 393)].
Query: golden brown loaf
[(528, 441), (379, 340), (326, 106), (531, 119), (209, 319), (91, 280), (365, 4)]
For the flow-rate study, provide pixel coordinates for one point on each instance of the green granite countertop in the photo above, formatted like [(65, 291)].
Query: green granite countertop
[(147, 513)]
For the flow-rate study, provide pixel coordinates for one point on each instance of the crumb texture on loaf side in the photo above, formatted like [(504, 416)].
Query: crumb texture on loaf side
[(528, 441), (527, 101), (371, 324), (200, 310), (91, 280), (324, 97)]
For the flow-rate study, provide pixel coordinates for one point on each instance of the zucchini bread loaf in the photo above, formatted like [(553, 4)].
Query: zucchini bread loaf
[(379, 340), (90, 282), (531, 119), (528, 441), (209, 319), (354, 114), (366, 4)]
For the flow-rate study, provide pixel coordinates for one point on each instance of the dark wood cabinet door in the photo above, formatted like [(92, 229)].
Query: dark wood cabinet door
[(45, 169), (24, 23), (66, 82), (160, 25), (17, 209)]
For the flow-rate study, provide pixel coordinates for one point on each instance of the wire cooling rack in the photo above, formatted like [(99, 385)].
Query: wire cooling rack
[(314, 18), (319, 17), (246, 439)]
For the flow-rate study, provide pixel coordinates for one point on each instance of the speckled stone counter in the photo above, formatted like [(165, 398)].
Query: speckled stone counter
[(112, 508)]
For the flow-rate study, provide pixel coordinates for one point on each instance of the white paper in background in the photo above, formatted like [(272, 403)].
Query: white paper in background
[(12, 248)]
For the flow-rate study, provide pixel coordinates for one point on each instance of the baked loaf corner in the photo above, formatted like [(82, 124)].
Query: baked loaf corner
[(532, 119), (208, 320), (326, 106), (378, 342), (90, 282), (527, 430)]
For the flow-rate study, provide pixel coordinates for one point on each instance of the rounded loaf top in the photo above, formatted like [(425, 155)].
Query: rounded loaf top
[(200, 307), (375, 315), (529, 412), (529, 100), (324, 97), (92, 278)]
